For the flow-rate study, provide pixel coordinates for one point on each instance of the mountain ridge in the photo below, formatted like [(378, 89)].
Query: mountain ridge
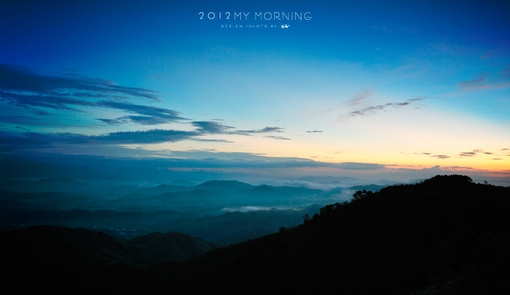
[(444, 235)]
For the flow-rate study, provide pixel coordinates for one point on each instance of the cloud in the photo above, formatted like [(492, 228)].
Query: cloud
[(434, 156), (441, 156), (24, 88), (505, 73), (458, 167), (212, 140), (360, 96), (478, 83), (376, 108), (149, 115), (153, 136), (264, 130), (473, 153), (483, 83), (314, 131), (278, 137), (144, 137), (359, 166), (211, 127), (20, 79), (11, 142), (56, 102), (484, 57), (45, 140)]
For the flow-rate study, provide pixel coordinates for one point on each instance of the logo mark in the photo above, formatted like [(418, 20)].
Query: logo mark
[(285, 26)]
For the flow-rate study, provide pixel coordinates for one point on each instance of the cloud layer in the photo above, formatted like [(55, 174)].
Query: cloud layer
[(24, 88)]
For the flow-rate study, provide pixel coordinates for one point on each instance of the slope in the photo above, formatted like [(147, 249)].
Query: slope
[(446, 235)]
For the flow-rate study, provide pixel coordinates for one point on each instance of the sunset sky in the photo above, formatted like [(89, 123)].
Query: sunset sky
[(360, 87)]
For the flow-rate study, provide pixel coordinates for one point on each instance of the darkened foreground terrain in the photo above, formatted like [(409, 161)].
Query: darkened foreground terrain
[(446, 235)]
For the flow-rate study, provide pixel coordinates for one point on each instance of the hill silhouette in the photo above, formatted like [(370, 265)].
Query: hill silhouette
[(445, 235), (46, 248), (172, 246)]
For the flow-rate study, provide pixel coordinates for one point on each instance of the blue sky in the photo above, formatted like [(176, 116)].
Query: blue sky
[(397, 86)]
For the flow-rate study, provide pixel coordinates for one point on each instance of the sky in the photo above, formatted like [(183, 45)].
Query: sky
[(394, 90)]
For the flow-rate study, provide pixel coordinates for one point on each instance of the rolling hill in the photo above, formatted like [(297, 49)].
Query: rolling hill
[(445, 235)]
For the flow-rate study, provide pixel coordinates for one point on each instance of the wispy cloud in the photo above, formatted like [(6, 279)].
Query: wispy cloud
[(20, 79), (278, 137), (19, 142), (441, 156), (211, 127), (434, 156), (360, 96), (467, 154), (314, 131), (486, 81), (32, 140), (381, 107), (24, 88), (478, 83), (146, 115), (505, 73), (470, 154), (359, 166), (263, 130), (144, 137), (47, 140)]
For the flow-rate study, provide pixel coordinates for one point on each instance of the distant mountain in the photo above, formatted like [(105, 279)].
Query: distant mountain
[(445, 235), (165, 188), (182, 182), (235, 227), (224, 185), (61, 193)]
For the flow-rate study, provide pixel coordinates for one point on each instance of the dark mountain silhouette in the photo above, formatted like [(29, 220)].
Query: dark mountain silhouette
[(173, 246), (445, 235), (48, 248), (44, 247), (369, 187)]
